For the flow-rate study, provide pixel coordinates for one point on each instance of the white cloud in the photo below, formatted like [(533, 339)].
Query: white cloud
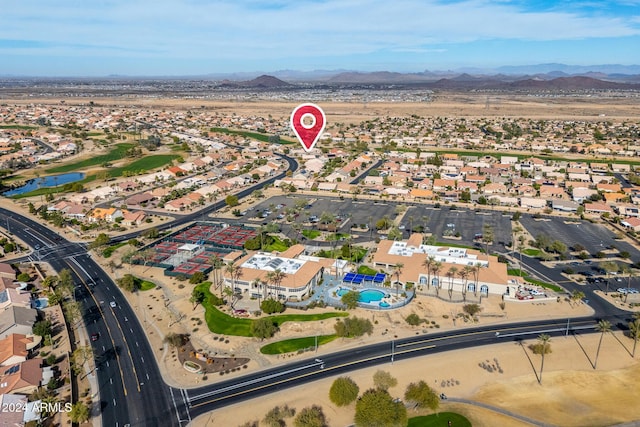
[(238, 29)]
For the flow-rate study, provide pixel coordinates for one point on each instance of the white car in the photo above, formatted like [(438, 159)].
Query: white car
[(113, 304)]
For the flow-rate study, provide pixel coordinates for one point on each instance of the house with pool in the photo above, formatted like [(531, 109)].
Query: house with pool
[(458, 269), (301, 274)]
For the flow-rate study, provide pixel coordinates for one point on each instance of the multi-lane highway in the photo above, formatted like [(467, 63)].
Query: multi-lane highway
[(131, 388)]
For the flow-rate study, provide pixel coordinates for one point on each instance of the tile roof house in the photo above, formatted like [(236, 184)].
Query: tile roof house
[(551, 191), (7, 271), (133, 218), (631, 223), (15, 349), (21, 378), (597, 208)]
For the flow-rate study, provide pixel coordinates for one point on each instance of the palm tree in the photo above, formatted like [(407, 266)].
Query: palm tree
[(429, 263), (437, 266), (397, 270), (475, 270), (603, 326), (276, 277), (487, 237), (630, 273), (544, 343), (255, 284), (520, 247), (234, 272), (228, 292), (464, 275), (577, 295), (425, 221), (216, 262), (634, 332), (451, 273), (609, 267)]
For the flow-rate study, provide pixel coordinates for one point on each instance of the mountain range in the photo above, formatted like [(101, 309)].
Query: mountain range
[(539, 82)]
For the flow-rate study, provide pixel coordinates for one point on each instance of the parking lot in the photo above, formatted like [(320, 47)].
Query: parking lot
[(594, 237), (437, 221), (464, 221)]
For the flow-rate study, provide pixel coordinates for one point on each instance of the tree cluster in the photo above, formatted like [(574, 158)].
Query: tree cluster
[(353, 327)]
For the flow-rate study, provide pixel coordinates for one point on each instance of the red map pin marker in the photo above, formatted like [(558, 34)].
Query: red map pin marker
[(307, 121)]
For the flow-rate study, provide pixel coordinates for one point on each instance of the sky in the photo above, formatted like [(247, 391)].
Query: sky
[(200, 37)]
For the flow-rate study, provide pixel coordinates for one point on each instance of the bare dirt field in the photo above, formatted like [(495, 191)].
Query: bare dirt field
[(444, 104)]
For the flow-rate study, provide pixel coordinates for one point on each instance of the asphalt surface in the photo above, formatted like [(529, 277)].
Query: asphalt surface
[(131, 388)]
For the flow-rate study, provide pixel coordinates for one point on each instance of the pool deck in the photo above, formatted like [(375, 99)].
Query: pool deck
[(326, 291)]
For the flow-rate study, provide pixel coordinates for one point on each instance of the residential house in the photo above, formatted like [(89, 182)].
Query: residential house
[(7, 271), (105, 214), (632, 223), (17, 320), (15, 348), (22, 378), (597, 208), (130, 218), (581, 194), (628, 210), (564, 205), (24, 413), (532, 202), (139, 199), (550, 191)]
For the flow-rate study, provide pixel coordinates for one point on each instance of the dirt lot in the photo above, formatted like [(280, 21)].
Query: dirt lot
[(443, 104)]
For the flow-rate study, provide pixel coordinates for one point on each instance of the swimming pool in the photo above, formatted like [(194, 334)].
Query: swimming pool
[(40, 303), (367, 296)]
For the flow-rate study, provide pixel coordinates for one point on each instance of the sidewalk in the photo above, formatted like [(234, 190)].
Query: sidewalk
[(90, 375)]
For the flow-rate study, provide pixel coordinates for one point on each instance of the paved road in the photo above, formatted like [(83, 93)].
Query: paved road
[(131, 388)]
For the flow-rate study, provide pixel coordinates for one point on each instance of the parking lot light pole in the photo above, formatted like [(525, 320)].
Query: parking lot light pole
[(393, 347)]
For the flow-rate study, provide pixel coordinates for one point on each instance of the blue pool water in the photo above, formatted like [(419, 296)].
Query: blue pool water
[(40, 303), (46, 181), (367, 295)]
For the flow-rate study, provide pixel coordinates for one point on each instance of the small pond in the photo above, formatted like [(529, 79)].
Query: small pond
[(45, 181)]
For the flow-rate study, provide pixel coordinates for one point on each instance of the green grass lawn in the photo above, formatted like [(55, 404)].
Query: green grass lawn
[(21, 127), (439, 420), (310, 234), (336, 236), (546, 285), (358, 253), (295, 344), (264, 137), (532, 252), (147, 163), (221, 323), (277, 245), (363, 269), (525, 276), (456, 245), (110, 249), (147, 285), (144, 164), (117, 153)]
